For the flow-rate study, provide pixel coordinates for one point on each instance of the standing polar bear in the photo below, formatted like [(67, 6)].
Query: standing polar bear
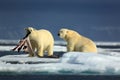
[(41, 40), (77, 42)]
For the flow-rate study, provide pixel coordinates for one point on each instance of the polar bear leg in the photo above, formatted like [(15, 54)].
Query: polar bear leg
[(40, 52), (50, 50), (70, 48), (85, 49)]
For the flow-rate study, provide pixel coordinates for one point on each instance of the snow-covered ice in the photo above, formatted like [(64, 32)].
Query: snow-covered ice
[(72, 62), (107, 61)]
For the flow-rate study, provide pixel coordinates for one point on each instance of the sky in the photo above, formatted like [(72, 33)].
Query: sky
[(95, 19)]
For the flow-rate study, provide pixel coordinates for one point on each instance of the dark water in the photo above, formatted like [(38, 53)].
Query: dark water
[(98, 20), (59, 77)]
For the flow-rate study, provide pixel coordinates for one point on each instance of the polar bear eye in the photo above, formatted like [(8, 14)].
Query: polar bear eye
[(30, 30), (61, 31)]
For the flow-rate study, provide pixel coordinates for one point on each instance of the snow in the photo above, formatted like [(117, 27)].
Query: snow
[(94, 62), (25, 59), (56, 48), (106, 61), (71, 62), (6, 48)]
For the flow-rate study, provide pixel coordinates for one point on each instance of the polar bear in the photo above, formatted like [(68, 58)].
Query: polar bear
[(77, 42), (41, 40)]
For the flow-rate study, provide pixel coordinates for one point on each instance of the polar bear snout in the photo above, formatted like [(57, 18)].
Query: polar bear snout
[(61, 35), (58, 34)]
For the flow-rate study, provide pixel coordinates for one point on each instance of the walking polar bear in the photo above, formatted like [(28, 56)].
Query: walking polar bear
[(41, 40), (77, 42)]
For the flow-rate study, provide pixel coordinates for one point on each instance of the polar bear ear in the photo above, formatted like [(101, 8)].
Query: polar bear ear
[(29, 29), (67, 31)]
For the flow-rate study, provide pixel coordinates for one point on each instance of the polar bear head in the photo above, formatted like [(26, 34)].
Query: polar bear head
[(62, 33), (67, 34), (29, 30)]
